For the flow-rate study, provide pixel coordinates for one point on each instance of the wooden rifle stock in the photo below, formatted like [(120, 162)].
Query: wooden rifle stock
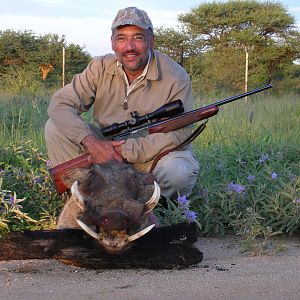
[(57, 173), (183, 120)]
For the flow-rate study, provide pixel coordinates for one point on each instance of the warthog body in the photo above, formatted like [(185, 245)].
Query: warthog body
[(112, 202)]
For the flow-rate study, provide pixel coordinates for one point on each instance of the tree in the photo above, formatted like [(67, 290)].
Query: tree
[(49, 53), (76, 60), (178, 44), (226, 29), (38, 56), (17, 48)]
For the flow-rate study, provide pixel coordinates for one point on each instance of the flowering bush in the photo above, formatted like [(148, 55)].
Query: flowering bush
[(11, 214), (265, 182), (176, 211), (27, 195)]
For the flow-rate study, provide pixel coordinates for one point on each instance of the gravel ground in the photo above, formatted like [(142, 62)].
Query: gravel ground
[(224, 273)]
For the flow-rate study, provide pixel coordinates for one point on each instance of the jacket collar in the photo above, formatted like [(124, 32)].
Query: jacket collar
[(153, 70)]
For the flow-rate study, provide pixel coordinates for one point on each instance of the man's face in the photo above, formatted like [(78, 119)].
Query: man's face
[(131, 45)]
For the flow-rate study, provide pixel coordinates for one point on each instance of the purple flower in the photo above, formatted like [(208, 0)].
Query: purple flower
[(251, 177), (234, 187), (183, 201), (37, 179), (191, 216), (231, 186), (297, 200), (274, 176), (263, 158), (184, 209), (12, 199), (240, 189)]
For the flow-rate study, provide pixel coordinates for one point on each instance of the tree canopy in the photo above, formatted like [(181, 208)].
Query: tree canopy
[(220, 34), (38, 57)]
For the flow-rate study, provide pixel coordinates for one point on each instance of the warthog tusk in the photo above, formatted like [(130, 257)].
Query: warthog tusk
[(140, 233), (88, 230), (75, 192), (118, 243), (152, 202)]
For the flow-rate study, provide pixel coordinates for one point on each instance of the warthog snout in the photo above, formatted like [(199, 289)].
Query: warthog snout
[(115, 220)]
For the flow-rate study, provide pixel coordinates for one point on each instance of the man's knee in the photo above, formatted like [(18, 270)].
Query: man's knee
[(177, 173), (60, 148), (49, 128)]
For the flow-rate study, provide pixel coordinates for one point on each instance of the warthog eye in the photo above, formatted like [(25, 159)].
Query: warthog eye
[(105, 221)]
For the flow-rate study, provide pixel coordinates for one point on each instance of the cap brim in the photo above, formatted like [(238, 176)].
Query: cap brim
[(132, 23)]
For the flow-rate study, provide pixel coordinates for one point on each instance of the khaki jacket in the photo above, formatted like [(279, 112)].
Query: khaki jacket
[(102, 86)]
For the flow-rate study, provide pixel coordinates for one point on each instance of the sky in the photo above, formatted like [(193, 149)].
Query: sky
[(87, 22)]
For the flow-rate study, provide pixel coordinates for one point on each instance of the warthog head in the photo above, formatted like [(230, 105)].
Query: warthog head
[(115, 203)]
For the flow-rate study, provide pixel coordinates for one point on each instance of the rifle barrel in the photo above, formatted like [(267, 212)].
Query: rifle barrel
[(233, 98)]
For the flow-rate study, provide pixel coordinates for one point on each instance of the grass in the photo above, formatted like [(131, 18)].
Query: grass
[(249, 155), (22, 119)]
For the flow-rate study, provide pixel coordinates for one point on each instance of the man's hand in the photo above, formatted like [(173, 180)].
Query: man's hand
[(102, 150)]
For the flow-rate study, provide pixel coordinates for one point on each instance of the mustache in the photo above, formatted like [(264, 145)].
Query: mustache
[(130, 52)]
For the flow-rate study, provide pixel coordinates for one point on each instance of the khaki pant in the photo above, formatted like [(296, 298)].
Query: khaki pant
[(175, 172)]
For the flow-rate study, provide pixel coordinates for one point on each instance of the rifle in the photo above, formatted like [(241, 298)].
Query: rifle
[(177, 118), (168, 117)]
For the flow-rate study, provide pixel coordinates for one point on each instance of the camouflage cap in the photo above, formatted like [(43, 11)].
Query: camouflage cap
[(132, 16)]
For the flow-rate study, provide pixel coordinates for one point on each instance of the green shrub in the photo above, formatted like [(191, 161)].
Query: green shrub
[(24, 173)]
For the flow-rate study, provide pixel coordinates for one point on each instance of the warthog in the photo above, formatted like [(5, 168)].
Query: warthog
[(112, 202)]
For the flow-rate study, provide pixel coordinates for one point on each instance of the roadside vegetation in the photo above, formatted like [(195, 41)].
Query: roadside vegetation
[(249, 182)]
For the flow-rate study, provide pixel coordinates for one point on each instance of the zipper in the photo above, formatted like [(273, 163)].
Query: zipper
[(125, 102)]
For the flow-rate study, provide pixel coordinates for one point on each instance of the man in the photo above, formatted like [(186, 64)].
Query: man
[(136, 78)]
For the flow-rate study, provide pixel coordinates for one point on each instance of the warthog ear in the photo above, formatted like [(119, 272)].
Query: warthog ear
[(143, 185), (92, 182), (148, 178), (75, 175)]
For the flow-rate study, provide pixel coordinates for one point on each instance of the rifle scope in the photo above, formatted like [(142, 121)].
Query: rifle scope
[(167, 110)]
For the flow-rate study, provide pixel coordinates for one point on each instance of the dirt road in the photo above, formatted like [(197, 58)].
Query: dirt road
[(223, 274)]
